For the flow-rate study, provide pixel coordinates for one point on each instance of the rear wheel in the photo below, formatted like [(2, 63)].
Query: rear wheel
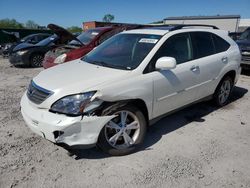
[(36, 60), (124, 133), (223, 91)]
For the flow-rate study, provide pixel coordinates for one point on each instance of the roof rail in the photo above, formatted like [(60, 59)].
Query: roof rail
[(190, 25)]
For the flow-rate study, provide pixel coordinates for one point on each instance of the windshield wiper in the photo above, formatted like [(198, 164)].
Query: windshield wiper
[(104, 64)]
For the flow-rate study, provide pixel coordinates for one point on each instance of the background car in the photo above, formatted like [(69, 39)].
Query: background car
[(244, 45), (86, 42), (234, 35), (31, 39), (32, 55)]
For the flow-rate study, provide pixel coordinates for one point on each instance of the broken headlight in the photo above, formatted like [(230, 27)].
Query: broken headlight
[(75, 104)]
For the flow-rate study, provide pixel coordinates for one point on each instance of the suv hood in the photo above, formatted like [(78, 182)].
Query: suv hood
[(63, 33), (76, 76)]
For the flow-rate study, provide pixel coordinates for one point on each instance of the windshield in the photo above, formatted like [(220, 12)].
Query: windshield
[(26, 38), (48, 40), (245, 35), (123, 51), (86, 37)]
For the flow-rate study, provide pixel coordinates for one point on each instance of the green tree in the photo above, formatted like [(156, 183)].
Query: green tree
[(31, 25), (10, 23), (108, 18), (74, 29)]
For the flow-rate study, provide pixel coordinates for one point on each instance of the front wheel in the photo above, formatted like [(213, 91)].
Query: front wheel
[(124, 133), (223, 91), (36, 60)]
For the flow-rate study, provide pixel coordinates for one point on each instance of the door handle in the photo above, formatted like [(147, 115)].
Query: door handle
[(224, 59), (194, 68)]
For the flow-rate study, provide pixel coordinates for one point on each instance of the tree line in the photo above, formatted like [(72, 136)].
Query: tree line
[(30, 24)]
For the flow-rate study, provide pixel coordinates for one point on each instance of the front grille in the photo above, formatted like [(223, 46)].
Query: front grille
[(245, 58), (37, 94)]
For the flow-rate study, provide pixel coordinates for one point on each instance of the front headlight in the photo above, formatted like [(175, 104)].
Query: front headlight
[(75, 104), (21, 52), (60, 59)]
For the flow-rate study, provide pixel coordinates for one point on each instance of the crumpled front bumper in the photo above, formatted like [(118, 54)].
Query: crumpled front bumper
[(59, 128), (16, 59)]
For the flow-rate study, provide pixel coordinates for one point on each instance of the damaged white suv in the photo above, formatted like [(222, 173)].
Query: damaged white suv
[(110, 96)]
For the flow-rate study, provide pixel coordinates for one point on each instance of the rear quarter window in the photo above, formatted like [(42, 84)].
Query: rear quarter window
[(220, 44)]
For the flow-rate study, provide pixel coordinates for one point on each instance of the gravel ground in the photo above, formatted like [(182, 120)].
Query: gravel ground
[(201, 146)]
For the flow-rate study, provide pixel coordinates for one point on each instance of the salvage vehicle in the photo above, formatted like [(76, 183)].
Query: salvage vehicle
[(32, 55), (75, 49), (244, 45), (110, 96), (31, 39)]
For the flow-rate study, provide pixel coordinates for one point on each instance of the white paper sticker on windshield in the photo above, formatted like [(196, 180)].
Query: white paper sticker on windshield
[(146, 40), (94, 33)]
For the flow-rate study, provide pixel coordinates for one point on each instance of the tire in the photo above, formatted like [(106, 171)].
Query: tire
[(36, 60), (116, 137), (223, 91)]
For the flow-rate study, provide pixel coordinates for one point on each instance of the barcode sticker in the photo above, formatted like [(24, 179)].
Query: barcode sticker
[(145, 40), (94, 33)]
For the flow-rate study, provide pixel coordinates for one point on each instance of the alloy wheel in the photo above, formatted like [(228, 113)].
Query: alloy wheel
[(123, 130), (225, 90), (37, 60)]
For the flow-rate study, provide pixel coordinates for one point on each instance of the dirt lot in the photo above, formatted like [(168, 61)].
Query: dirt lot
[(201, 146)]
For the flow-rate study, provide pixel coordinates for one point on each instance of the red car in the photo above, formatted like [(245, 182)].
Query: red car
[(82, 44)]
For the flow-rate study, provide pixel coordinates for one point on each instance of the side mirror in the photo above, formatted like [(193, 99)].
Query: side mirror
[(165, 63)]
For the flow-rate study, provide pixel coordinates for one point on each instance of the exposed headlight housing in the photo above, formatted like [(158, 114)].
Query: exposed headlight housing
[(21, 52), (75, 105), (60, 59)]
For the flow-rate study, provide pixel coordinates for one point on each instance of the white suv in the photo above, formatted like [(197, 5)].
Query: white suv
[(110, 96)]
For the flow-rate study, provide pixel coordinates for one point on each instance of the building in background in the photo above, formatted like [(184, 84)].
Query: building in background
[(244, 24), (227, 22), (94, 24)]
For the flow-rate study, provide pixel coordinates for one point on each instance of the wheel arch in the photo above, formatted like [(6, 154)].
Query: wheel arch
[(138, 103), (231, 74)]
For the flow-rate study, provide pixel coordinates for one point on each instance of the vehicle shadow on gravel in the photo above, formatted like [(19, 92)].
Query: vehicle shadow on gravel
[(24, 67), (194, 113)]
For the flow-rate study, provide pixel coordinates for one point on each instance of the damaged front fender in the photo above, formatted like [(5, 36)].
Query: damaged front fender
[(85, 132)]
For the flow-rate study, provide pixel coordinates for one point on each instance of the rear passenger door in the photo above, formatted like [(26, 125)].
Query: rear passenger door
[(210, 58)]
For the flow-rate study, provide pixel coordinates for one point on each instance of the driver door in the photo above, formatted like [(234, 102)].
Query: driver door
[(176, 87)]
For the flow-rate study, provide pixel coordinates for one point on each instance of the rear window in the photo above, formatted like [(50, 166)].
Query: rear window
[(203, 44), (220, 44)]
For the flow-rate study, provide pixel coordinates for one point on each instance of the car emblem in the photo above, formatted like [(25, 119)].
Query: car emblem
[(31, 91)]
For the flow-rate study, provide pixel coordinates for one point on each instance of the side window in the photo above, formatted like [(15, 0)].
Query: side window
[(203, 44), (220, 44), (36, 39), (178, 46), (39, 38)]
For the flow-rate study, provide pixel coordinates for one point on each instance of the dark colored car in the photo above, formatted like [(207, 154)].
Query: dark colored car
[(31, 39), (244, 45), (87, 41), (32, 55), (235, 35)]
